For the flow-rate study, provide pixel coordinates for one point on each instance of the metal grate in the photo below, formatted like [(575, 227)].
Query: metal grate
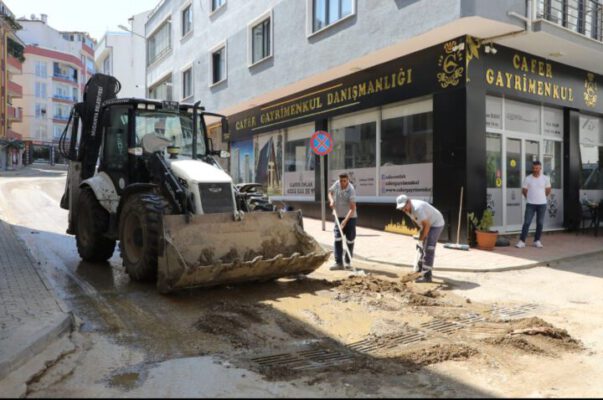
[(514, 311), (216, 197), (408, 336), (317, 357), (447, 326)]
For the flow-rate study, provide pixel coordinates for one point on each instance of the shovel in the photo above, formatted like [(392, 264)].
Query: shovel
[(346, 265)]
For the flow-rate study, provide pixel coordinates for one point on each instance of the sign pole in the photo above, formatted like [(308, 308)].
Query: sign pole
[(322, 191)]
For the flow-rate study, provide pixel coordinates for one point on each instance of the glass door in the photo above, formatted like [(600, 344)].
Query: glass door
[(514, 165), (494, 178)]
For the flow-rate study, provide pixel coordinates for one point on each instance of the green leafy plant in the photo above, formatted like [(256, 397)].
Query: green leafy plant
[(485, 223)]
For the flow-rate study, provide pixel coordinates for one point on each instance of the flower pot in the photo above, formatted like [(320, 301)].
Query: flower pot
[(486, 240)]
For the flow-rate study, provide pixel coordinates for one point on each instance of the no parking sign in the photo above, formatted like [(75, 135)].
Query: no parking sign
[(321, 143)]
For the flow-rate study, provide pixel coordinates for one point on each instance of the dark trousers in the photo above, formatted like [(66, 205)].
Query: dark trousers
[(349, 230), (429, 246), (531, 209)]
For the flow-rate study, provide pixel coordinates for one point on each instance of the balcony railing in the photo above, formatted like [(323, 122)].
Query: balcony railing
[(581, 16), (63, 97), (61, 117), (64, 77)]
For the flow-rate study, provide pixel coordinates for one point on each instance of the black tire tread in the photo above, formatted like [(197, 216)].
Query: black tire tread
[(101, 248), (150, 208)]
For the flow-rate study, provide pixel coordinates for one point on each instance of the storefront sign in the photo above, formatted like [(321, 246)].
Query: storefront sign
[(440, 66), (520, 74)]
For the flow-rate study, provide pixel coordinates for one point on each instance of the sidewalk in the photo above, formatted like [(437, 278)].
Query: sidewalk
[(31, 317), (395, 249)]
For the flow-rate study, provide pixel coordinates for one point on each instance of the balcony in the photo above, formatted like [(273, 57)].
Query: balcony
[(64, 99), (15, 114), (581, 16), (14, 66), (64, 78), (14, 90)]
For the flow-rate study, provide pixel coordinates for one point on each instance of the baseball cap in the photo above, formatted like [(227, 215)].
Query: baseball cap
[(401, 201)]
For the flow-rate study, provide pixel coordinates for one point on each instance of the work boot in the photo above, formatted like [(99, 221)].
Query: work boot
[(425, 277), (336, 267)]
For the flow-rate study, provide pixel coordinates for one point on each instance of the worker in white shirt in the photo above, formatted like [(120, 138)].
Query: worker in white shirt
[(431, 224), (536, 188)]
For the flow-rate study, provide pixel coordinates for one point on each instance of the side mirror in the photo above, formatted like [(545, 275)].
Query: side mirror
[(224, 154), (210, 143), (224, 125)]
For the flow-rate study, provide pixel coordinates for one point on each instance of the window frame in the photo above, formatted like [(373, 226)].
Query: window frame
[(221, 46), (310, 32), (167, 77), (184, 70), (187, 6), (213, 10), (268, 15), (168, 49)]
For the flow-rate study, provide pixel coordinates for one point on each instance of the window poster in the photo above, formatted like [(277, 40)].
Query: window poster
[(242, 162), (268, 152), (363, 179), (415, 180)]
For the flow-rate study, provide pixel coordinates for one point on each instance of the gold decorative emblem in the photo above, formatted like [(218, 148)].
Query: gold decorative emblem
[(451, 63), (590, 90), (472, 52)]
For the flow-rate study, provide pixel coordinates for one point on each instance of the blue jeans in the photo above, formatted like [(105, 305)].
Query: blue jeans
[(429, 246), (349, 230), (539, 210)]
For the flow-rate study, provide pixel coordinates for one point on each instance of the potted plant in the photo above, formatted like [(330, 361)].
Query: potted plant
[(486, 239)]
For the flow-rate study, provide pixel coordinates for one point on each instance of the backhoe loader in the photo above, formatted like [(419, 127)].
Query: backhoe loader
[(142, 172)]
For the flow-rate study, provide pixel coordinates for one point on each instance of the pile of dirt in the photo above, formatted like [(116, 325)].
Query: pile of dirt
[(370, 284), (516, 343), (362, 287), (437, 354), (536, 326)]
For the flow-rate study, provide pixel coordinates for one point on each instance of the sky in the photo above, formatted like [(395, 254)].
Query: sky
[(92, 16)]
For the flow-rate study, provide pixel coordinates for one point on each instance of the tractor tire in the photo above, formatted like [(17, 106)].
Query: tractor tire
[(140, 232), (91, 225)]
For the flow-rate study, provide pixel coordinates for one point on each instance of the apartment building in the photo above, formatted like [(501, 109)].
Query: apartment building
[(11, 57), (421, 97), (122, 55), (56, 69)]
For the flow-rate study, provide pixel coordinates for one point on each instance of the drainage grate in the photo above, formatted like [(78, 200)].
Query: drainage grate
[(446, 326), (316, 357), (408, 336), (442, 326), (513, 312)]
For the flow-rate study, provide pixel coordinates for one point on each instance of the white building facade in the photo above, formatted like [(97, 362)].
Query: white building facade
[(122, 55)]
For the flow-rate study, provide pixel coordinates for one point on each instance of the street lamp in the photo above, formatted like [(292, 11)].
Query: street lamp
[(125, 28)]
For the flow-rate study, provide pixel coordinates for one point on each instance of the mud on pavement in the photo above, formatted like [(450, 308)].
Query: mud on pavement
[(368, 324), (319, 331)]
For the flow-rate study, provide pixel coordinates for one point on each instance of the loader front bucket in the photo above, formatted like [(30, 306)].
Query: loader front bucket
[(215, 249)]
